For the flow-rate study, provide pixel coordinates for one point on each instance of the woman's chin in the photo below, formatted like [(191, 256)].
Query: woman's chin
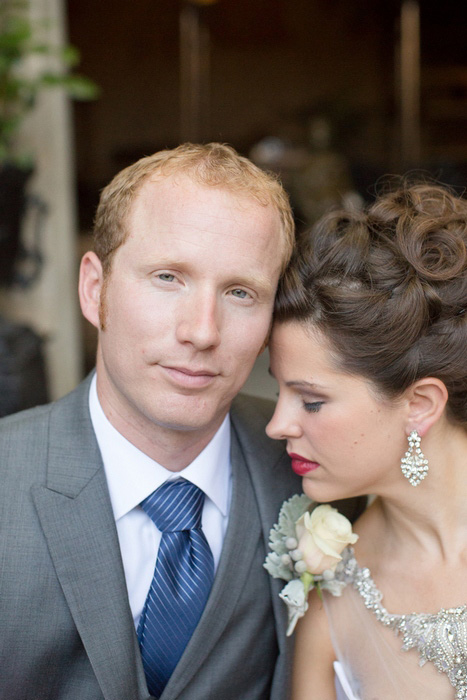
[(315, 491), (323, 493)]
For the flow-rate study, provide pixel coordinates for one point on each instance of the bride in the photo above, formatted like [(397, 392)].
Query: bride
[(369, 349)]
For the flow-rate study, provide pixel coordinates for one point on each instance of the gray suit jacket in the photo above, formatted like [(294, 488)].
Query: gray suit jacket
[(66, 629)]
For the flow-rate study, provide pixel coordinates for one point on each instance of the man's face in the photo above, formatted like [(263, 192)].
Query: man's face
[(187, 306)]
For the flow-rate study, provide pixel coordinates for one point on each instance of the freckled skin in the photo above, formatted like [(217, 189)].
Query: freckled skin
[(192, 288)]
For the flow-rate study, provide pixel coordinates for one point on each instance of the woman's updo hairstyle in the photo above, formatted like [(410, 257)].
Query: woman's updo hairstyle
[(388, 288)]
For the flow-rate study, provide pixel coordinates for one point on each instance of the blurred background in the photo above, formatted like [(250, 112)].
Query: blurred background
[(330, 94)]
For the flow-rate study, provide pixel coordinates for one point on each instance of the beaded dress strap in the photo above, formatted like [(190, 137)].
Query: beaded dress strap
[(440, 638)]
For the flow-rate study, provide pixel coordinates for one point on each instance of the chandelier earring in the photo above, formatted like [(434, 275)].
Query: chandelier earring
[(414, 465)]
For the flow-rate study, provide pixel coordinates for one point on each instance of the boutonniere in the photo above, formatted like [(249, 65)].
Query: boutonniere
[(306, 543)]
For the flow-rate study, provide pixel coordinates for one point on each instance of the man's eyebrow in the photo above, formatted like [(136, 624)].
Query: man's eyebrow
[(262, 282)]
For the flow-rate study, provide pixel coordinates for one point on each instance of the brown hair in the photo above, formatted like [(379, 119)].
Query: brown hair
[(212, 164), (388, 288)]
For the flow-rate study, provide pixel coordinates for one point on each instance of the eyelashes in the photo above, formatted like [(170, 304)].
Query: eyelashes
[(313, 407)]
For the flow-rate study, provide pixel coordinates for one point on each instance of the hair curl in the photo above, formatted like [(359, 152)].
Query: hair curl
[(211, 165), (388, 288)]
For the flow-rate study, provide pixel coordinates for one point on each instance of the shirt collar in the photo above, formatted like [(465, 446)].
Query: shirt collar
[(132, 475)]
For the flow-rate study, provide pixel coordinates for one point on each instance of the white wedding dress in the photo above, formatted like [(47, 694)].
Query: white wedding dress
[(369, 643), (343, 689)]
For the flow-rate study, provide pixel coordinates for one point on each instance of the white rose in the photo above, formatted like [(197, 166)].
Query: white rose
[(322, 536)]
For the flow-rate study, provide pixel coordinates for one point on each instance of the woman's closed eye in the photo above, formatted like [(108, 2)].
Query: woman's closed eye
[(312, 406)]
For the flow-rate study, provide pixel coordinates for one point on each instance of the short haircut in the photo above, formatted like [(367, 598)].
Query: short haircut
[(212, 165)]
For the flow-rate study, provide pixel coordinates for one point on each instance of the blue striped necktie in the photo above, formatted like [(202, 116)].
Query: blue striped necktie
[(182, 580)]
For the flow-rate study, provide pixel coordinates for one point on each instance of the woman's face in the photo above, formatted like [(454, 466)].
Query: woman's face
[(342, 438)]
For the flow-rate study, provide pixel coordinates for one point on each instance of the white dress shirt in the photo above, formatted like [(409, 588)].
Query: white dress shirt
[(132, 476)]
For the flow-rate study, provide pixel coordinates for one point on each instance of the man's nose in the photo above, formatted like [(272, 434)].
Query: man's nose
[(200, 322)]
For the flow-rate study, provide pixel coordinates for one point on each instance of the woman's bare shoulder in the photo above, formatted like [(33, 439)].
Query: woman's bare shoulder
[(314, 654)]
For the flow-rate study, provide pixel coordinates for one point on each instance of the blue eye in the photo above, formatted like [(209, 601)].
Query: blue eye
[(313, 407), (166, 277), (239, 293)]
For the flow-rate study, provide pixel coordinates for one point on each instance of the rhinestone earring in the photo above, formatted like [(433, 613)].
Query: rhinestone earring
[(413, 464)]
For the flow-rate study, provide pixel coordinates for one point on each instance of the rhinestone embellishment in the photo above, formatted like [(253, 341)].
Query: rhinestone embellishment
[(414, 466), (439, 638)]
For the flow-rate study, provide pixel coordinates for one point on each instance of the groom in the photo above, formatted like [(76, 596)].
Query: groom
[(189, 247), (135, 512)]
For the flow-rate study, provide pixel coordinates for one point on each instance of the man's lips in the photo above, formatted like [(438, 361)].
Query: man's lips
[(193, 372), (302, 465), (190, 378)]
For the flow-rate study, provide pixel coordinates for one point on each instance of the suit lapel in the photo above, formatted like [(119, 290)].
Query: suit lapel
[(75, 513), (273, 482), (258, 467), (235, 562)]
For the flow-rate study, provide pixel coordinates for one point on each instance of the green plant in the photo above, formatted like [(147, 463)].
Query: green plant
[(19, 85)]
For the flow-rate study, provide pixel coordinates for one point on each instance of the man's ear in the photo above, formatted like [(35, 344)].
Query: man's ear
[(90, 287), (427, 400)]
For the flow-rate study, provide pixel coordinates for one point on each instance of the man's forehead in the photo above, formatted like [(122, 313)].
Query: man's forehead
[(160, 187), (178, 204)]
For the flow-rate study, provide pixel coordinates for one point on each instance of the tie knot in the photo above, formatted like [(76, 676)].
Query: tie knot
[(175, 506)]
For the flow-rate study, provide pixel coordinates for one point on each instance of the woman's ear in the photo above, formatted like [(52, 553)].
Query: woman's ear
[(427, 400), (90, 287)]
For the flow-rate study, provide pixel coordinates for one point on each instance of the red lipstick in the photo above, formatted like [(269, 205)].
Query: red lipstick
[(302, 465)]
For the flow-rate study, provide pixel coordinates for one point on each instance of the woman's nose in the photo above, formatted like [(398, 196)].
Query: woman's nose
[(282, 425)]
